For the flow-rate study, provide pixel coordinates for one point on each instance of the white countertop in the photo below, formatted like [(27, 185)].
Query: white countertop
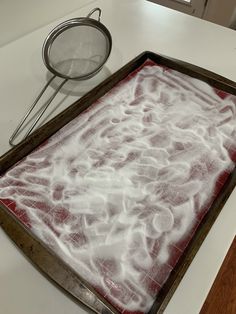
[(136, 26)]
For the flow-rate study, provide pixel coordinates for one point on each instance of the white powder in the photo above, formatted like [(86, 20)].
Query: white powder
[(132, 172)]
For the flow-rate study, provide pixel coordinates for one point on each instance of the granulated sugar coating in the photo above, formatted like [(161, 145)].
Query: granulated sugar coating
[(118, 192)]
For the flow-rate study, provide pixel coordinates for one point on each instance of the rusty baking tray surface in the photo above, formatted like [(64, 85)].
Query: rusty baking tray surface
[(115, 204)]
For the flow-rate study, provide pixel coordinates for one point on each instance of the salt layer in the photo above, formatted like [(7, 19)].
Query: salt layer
[(118, 188)]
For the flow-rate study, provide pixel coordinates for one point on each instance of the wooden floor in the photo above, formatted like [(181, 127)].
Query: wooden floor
[(222, 296)]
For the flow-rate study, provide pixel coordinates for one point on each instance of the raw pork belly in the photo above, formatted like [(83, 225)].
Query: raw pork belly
[(119, 192)]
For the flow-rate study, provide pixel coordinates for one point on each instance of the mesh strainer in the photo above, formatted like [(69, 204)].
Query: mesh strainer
[(76, 49)]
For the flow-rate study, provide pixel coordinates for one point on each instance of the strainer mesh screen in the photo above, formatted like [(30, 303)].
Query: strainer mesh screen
[(78, 51)]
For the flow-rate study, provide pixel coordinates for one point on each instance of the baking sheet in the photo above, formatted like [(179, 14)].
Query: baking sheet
[(120, 191)]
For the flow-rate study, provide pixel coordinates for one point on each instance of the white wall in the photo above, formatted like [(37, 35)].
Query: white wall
[(233, 20), (196, 8), (220, 11), (18, 17)]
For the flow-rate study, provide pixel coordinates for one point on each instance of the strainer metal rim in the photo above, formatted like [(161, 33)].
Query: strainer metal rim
[(80, 21)]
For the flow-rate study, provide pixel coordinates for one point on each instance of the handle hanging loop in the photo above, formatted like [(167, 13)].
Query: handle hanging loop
[(93, 11)]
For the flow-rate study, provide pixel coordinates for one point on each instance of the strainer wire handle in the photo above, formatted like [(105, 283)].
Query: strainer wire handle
[(93, 11), (40, 113)]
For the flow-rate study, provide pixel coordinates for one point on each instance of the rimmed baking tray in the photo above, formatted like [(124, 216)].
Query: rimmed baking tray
[(52, 264)]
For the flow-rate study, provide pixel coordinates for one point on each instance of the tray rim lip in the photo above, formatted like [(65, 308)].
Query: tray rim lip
[(35, 140)]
